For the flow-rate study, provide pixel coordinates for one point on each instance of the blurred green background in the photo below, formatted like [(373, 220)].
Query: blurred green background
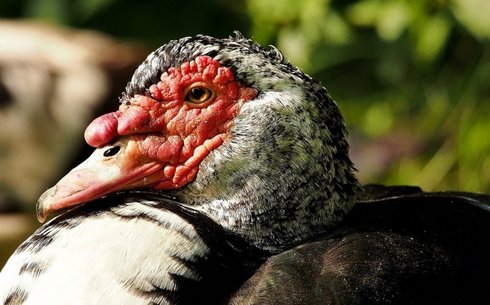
[(411, 76)]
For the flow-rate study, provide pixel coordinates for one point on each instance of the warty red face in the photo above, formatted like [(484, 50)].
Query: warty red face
[(157, 139)]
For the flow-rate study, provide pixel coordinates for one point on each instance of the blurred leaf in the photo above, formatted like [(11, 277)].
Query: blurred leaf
[(335, 29), (295, 46), (378, 119), (431, 37), (436, 169), (389, 17), (393, 19), (364, 13), (56, 11), (475, 15), (88, 8)]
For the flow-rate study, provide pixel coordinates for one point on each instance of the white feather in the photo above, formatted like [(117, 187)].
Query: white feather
[(96, 261)]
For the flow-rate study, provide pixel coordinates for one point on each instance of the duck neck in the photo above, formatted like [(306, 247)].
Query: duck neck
[(282, 178)]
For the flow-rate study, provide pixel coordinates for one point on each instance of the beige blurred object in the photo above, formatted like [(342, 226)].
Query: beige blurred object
[(52, 82)]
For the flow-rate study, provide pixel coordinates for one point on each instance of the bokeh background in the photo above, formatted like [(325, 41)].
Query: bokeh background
[(410, 76)]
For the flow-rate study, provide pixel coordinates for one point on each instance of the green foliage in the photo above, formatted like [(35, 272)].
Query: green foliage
[(413, 70)]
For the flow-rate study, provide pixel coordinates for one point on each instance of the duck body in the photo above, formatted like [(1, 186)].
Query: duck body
[(399, 245), (251, 198), (402, 246)]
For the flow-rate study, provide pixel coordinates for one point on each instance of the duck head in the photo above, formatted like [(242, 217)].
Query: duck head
[(230, 129)]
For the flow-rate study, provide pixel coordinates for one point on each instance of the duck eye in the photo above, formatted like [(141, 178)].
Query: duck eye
[(111, 151), (198, 95)]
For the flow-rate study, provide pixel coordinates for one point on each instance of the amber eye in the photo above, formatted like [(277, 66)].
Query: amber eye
[(198, 94)]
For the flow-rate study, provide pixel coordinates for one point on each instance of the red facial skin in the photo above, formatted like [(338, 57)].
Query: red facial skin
[(162, 137)]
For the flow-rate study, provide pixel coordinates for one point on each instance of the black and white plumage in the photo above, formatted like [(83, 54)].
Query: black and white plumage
[(273, 181), (131, 248)]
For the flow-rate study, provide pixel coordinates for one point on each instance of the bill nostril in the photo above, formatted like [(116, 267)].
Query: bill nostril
[(112, 151)]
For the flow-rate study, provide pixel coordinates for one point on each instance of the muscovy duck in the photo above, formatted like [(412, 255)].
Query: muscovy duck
[(251, 199)]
